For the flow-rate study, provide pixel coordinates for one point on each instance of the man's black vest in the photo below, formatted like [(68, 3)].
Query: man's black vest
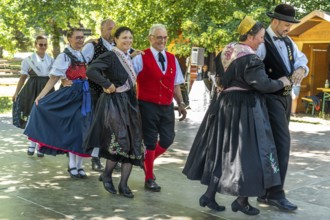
[(275, 66), (99, 49)]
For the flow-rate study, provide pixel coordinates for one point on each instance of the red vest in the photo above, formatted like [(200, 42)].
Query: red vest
[(76, 72), (154, 86)]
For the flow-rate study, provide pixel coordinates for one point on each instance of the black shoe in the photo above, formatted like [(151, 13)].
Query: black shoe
[(74, 176), (151, 185), (82, 173), (262, 199), (30, 153), (40, 154), (282, 204), (248, 209), (205, 201), (97, 165), (108, 185), (125, 192)]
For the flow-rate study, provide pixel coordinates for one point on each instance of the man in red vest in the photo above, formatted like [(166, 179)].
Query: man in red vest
[(158, 82)]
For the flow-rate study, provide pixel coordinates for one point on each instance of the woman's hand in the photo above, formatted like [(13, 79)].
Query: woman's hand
[(37, 100), (110, 90), (285, 81), (66, 82)]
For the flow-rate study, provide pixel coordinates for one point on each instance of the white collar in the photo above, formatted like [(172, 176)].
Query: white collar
[(156, 52)]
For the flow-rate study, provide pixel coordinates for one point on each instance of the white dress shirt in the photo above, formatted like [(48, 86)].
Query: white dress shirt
[(88, 50), (138, 65), (300, 60)]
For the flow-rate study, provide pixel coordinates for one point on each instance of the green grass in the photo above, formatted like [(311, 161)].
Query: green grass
[(5, 104)]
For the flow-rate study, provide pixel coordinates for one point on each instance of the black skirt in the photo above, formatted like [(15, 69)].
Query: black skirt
[(117, 129), (234, 146), (25, 99)]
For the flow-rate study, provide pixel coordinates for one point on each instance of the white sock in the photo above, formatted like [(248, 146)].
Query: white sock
[(32, 146), (79, 161), (72, 163)]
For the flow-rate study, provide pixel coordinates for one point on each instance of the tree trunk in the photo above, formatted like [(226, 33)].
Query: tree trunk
[(1, 52), (56, 34)]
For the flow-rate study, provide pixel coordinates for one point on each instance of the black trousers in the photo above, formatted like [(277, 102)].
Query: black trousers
[(279, 110), (157, 121)]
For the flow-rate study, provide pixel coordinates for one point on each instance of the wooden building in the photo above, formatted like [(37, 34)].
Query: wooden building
[(312, 36)]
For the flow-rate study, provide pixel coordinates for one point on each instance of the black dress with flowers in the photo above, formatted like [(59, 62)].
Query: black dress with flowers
[(234, 146), (116, 129)]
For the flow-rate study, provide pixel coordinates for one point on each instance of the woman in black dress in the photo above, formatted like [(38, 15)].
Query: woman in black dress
[(234, 151), (35, 68), (116, 130)]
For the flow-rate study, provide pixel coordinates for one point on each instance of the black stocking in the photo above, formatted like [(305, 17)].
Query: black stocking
[(211, 190), (243, 201), (109, 167), (126, 169)]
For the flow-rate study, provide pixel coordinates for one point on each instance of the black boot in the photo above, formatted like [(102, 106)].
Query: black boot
[(96, 164)]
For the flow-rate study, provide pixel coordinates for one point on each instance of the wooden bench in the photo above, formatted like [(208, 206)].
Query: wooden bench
[(310, 104), (9, 71)]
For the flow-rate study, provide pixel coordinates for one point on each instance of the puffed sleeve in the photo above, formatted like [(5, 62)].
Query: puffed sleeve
[(255, 75), (60, 66), (97, 67), (25, 67)]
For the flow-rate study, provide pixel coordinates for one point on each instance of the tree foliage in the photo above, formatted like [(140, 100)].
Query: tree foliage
[(205, 23)]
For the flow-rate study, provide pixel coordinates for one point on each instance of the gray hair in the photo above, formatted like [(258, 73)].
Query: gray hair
[(106, 21), (155, 27)]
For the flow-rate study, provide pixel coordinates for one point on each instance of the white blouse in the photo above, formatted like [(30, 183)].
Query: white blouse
[(62, 63), (41, 66)]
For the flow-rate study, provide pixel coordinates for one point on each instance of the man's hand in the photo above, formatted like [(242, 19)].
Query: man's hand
[(182, 111), (298, 76), (136, 52)]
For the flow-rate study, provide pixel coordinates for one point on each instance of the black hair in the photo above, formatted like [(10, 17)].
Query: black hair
[(121, 30)]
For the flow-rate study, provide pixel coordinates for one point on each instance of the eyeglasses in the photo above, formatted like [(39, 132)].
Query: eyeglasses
[(80, 37), (42, 45), (159, 38)]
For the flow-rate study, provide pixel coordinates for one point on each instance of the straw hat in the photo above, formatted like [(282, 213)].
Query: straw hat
[(246, 25)]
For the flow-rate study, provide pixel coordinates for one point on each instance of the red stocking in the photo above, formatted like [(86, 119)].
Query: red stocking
[(149, 164), (159, 150)]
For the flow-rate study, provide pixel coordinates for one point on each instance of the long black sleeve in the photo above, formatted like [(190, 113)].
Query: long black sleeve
[(97, 67), (255, 75)]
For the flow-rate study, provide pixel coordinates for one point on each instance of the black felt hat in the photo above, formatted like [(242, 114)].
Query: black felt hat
[(284, 12)]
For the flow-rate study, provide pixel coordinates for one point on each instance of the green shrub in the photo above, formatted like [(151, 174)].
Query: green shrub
[(5, 104)]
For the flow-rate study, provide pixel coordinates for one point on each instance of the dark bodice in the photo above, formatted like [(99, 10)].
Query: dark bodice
[(247, 72), (106, 70)]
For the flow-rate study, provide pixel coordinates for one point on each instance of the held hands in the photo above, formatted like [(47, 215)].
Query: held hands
[(298, 76), (110, 90), (285, 81)]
